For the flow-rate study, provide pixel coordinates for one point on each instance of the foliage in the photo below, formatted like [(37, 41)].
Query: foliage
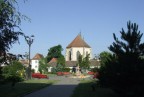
[(104, 57), (66, 70), (43, 66), (54, 52), (84, 62), (13, 72), (10, 20), (61, 60), (123, 71), (60, 68), (32, 70), (95, 69)]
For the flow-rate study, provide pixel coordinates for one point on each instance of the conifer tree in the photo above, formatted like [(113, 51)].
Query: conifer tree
[(124, 70)]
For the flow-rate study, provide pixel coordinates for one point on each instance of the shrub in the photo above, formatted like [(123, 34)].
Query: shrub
[(13, 72), (66, 70)]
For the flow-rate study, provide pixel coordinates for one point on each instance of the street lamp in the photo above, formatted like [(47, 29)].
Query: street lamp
[(29, 40)]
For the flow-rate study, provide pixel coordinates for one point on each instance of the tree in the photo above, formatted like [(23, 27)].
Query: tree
[(10, 19), (104, 57), (55, 52), (123, 71), (13, 72), (43, 65), (84, 63)]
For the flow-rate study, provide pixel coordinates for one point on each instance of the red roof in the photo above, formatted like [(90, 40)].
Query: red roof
[(78, 42), (37, 56), (53, 60)]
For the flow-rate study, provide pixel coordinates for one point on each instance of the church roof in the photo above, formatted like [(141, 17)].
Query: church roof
[(37, 57), (78, 42)]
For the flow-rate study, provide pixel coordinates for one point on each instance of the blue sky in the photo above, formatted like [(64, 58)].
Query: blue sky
[(56, 22)]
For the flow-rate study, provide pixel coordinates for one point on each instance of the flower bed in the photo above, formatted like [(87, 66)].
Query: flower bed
[(63, 73), (91, 73), (59, 73), (38, 75), (66, 73)]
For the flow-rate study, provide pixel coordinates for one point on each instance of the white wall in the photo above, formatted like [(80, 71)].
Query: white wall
[(74, 50), (35, 65)]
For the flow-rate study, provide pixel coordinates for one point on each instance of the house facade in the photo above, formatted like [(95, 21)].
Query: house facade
[(35, 62)]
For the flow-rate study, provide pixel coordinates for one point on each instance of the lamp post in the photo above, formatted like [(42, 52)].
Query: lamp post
[(29, 40)]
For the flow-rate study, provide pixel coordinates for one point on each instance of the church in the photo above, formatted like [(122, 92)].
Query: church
[(79, 47)]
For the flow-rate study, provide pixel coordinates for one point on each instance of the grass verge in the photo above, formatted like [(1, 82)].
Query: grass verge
[(24, 87), (84, 90)]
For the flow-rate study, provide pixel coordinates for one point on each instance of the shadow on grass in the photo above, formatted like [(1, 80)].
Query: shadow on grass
[(84, 89), (22, 88)]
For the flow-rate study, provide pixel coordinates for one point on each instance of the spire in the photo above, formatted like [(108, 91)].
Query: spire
[(80, 33)]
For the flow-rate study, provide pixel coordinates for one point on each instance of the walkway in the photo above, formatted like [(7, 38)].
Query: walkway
[(63, 88)]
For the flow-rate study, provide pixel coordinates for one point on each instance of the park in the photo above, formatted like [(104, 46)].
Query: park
[(69, 67)]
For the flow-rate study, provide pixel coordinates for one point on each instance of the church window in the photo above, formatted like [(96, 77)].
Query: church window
[(70, 55), (78, 54)]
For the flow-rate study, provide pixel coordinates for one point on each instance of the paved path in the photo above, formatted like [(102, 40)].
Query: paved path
[(64, 88)]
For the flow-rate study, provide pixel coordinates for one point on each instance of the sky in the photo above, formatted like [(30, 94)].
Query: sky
[(56, 22)]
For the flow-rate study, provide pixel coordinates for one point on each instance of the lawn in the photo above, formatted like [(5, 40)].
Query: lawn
[(84, 90), (24, 87)]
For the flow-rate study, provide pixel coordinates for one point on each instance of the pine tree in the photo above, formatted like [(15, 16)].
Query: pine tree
[(124, 70)]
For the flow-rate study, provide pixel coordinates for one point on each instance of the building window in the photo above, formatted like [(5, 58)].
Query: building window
[(77, 55), (35, 61), (69, 55)]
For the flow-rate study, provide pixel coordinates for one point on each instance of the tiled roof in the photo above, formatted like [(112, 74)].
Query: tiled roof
[(78, 42), (94, 62), (24, 61), (52, 64), (37, 56), (74, 63), (71, 63), (53, 60)]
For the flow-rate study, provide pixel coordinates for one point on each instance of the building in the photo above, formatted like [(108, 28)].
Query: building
[(35, 61), (77, 47)]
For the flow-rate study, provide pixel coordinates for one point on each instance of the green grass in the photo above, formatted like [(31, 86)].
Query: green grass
[(84, 90), (24, 87)]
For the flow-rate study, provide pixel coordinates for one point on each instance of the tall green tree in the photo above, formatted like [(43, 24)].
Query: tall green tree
[(43, 65), (84, 63), (124, 71), (10, 20), (56, 52)]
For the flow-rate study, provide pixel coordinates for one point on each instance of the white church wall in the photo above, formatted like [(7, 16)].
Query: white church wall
[(83, 51)]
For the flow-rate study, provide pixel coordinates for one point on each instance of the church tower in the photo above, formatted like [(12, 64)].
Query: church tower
[(76, 47)]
